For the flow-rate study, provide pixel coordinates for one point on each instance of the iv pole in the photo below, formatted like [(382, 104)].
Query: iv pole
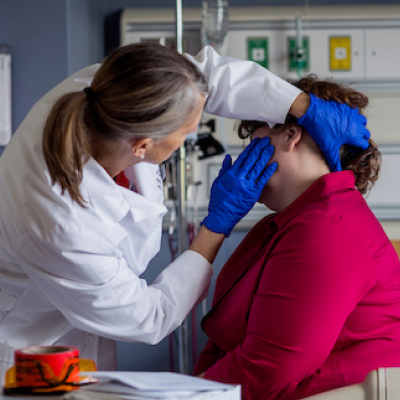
[(181, 202)]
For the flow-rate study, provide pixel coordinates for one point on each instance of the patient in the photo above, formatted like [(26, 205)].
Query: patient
[(310, 300)]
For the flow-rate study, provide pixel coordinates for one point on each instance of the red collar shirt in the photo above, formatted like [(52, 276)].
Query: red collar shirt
[(309, 301)]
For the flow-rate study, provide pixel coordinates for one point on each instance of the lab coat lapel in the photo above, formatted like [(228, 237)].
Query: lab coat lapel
[(100, 191), (114, 201)]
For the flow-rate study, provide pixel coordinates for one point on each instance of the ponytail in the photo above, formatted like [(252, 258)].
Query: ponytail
[(66, 145)]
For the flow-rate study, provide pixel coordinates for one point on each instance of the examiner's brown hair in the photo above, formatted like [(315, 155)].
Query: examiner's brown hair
[(364, 163), (142, 90)]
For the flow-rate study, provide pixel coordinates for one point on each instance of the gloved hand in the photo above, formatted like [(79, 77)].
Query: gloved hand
[(238, 186), (331, 125)]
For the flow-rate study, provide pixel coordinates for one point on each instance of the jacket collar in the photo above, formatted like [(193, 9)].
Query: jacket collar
[(113, 201)]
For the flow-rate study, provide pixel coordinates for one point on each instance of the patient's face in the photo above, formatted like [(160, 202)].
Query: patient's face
[(270, 188)]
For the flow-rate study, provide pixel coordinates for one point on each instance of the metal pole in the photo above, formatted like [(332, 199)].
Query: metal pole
[(179, 26), (181, 197), (300, 56)]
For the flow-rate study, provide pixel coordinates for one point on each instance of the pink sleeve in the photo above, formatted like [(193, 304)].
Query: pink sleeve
[(207, 357), (311, 282)]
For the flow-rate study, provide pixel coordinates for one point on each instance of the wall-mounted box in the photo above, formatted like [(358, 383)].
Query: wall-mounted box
[(294, 63), (340, 53), (258, 50)]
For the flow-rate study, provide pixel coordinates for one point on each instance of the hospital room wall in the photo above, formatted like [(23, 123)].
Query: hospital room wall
[(50, 39)]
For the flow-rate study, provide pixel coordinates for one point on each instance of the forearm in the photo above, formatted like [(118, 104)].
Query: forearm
[(241, 89), (207, 243)]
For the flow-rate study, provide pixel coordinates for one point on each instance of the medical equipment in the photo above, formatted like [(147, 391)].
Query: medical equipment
[(180, 161), (215, 22), (300, 55), (214, 33)]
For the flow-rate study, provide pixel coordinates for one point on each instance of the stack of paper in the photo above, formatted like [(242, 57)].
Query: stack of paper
[(153, 385)]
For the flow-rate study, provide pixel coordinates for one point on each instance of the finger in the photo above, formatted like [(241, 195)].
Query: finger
[(243, 155), (253, 155), (335, 164), (366, 134), (361, 140), (260, 164), (266, 175), (363, 120), (360, 143), (225, 164), (363, 131)]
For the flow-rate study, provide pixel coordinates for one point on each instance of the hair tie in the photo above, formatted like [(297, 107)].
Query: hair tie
[(90, 95)]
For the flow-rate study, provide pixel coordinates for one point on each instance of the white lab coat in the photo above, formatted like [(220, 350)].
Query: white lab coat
[(71, 275)]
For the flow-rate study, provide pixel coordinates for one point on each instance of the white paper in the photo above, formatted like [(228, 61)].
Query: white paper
[(159, 381), (80, 394), (124, 390), (153, 385)]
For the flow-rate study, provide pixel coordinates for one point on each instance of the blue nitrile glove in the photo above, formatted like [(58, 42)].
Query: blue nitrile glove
[(332, 125), (238, 186)]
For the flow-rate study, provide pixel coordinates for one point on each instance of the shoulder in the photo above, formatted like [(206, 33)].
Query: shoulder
[(343, 236)]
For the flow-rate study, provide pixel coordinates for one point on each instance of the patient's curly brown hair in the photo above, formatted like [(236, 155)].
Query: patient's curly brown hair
[(364, 163)]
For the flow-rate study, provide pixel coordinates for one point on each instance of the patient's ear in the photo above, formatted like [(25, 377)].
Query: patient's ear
[(293, 135)]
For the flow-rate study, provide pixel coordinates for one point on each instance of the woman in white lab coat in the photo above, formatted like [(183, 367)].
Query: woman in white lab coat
[(73, 244)]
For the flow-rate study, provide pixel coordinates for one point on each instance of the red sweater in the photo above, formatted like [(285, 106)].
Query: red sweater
[(309, 301)]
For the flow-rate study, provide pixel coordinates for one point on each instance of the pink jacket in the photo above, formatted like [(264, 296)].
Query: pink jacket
[(309, 301)]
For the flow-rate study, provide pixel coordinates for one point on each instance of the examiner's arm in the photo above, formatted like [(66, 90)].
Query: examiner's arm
[(300, 105), (242, 89), (207, 243)]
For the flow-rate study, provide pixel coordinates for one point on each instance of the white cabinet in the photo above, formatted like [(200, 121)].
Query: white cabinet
[(382, 53)]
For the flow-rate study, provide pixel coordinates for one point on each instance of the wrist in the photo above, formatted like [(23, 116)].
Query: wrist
[(218, 225), (300, 105), (207, 243)]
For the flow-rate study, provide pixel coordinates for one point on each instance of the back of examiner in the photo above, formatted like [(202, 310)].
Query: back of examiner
[(73, 244), (310, 300)]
